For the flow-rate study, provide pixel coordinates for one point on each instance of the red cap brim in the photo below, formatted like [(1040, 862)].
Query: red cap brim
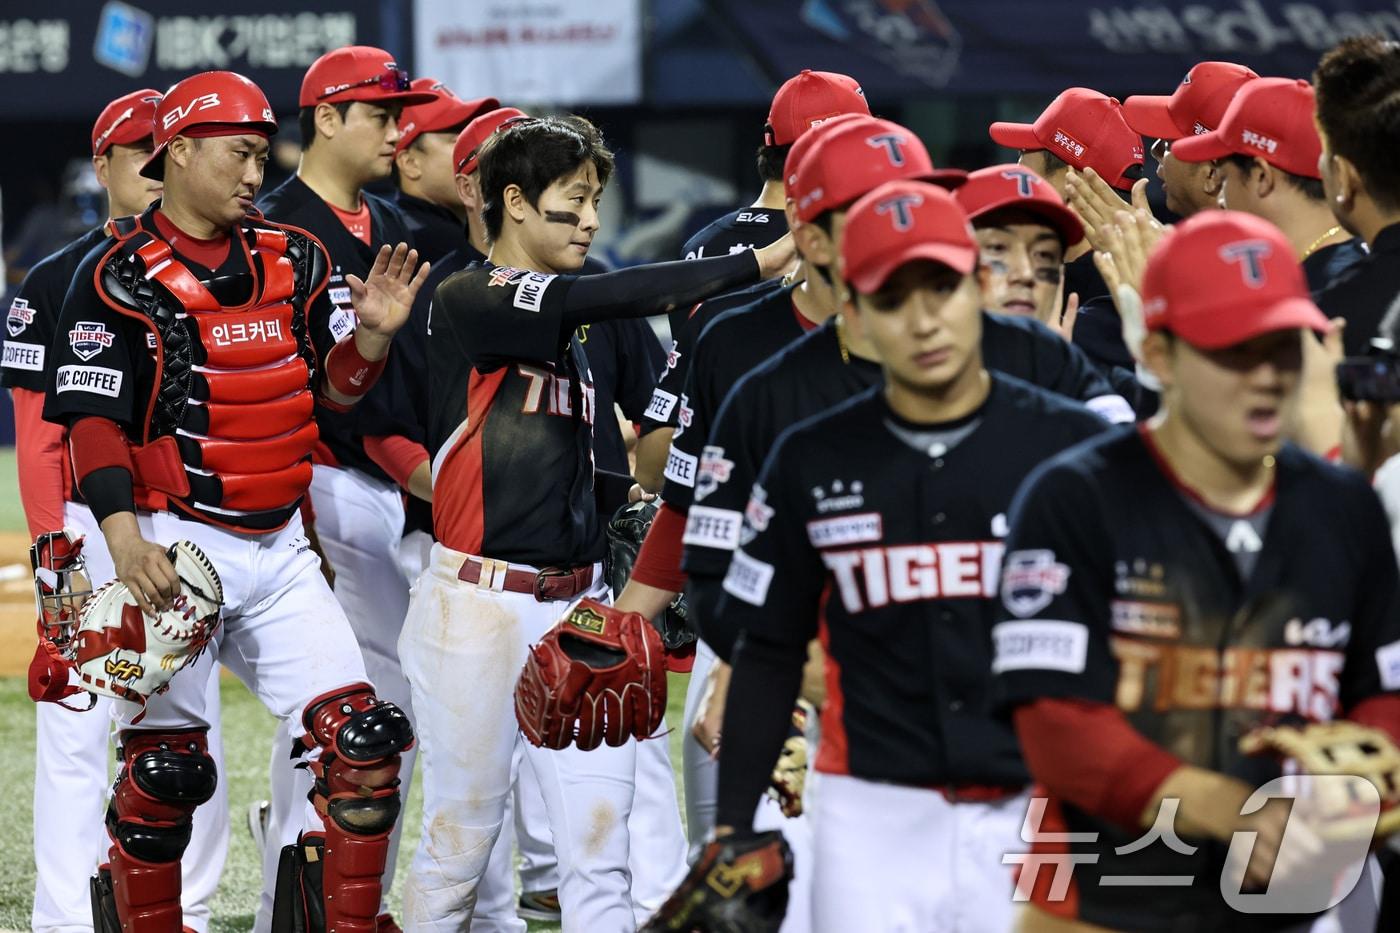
[(1216, 328), (1201, 148), (1147, 115), (1018, 136), (1061, 218), (961, 259)]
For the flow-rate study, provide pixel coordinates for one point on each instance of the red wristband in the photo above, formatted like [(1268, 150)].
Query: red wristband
[(349, 373), (659, 561), (98, 443)]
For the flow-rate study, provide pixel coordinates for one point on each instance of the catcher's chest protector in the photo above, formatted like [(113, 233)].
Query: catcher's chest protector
[(234, 369)]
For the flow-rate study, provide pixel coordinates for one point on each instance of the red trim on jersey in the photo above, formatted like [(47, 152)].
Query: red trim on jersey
[(803, 321), (98, 443), (41, 460), (659, 560), (356, 222), (398, 456), (210, 253), (833, 751), (459, 518), (1090, 755), (1172, 477), (1379, 712)]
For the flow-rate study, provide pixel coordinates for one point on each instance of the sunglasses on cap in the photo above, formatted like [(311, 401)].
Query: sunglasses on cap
[(391, 79), (505, 125)]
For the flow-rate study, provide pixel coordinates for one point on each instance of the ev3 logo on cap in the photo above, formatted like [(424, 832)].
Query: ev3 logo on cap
[(892, 143), (901, 208), (203, 102), (1250, 254)]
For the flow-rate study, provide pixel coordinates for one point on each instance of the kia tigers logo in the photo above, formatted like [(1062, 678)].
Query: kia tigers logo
[(1250, 254), (900, 207), (892, 143), (1025, 182)]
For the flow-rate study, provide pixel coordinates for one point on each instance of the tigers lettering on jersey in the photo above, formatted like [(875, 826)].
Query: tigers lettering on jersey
[(871, 578), (553, 394)]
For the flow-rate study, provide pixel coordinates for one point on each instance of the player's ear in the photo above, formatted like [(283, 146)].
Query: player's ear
[(101, 167), (1157, 352), (180, 150), (1349, 183), (406, 161), (327, 120), (1264, 177), (466, 191), (515, 203)]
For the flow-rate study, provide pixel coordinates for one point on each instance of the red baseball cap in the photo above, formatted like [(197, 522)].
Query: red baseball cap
[(126, 120), (1194, 108), (1085, 129), (857, 156), (808, 99), (477, 132), (358, 72), (447, 112), (1243, 282), (991, 189), (1271, 118), (807, 141), (899, 222)]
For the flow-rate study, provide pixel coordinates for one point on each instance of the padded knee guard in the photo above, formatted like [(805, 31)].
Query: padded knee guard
[(165, 776), (356, 791)]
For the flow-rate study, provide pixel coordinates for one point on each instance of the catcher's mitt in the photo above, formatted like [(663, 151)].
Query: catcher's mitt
[(1345, 748), (736, 886), (598, 676), (789, 777), (625, 534), (121, 652)]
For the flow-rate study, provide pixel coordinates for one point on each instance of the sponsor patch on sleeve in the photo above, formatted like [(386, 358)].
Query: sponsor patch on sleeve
[(680, 467), (1112, 408), (661, 405), (530, 292), (1388, 663), (1030, 581), (710, 527), (748, 579), (715, 469), (97, 380), (1040, 644), (845, 529), (27, 356), (342, 324)]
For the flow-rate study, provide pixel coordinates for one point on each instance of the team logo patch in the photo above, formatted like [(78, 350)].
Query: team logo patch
[(684, 416), (838, 496), (757, 514), (501, 276), (89, 338), (20, 317), (1031, 580), (714, 470), (26, 356), (674, 356), (98, 380), (1319, 633)]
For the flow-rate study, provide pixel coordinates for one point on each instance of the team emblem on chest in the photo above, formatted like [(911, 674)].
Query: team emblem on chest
[(89, 338)]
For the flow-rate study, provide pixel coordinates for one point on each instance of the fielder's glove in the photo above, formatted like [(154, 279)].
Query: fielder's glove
[(1345, 748), (625, 534), (736, 886), (124, 653), (598, 676)]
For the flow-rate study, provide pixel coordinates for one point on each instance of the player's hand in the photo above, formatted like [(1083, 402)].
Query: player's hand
[(814, 675), (709, 717), (143, 566), (382, 301), (1097, 202), (638, 494), (776, 258)]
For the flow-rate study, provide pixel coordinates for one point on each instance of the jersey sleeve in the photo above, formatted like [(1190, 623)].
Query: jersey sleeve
[(1052, 634), (29, 328), (640, 359), (502, 315), (663, 409), (694, 411), (98, 357), (774, 583), (1372, 663)]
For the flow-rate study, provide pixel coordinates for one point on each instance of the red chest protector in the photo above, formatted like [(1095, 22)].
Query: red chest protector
[(228, 428)]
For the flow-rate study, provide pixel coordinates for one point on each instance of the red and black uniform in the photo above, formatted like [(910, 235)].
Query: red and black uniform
[(1129, 602), (882, 537), (510, 429), (210, 369)]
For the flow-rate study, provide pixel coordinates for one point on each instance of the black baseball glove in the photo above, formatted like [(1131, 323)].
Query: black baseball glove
[(625, 534), (738, 885)]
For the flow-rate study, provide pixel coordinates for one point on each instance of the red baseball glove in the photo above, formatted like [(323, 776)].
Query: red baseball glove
[(598, 676)]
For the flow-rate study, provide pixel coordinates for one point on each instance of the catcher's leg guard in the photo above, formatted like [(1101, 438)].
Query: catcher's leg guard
[(357, 794), (164, 777)]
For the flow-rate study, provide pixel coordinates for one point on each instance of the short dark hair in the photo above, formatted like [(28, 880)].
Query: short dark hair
[(1310, 187), (534, 154), (771, 160), (306, 121), (1358, 108)]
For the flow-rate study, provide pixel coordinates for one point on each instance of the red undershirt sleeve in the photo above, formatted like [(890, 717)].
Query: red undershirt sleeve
[(396, 455), (1088, 754), (659, 561), (39, 454)]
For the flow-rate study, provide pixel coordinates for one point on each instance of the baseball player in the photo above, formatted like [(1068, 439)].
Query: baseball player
[(350, 100), (71, 749), (426, 194), (185, 361), (1195, 107), (516, 500), (1265, 154), (875, 526), (1169, 589), (1354, 81), (807, 99)]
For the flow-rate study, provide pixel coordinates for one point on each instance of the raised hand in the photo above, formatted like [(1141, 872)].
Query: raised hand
[(382, 301)]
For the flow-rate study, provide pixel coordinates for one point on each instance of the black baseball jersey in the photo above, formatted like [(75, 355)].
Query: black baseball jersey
[(883, 538), (1365, 293), (294, 203), (33, 316), (436, 231), (664, 410), (1332, 263), (1121, 587), (746, 228), (733, 343)]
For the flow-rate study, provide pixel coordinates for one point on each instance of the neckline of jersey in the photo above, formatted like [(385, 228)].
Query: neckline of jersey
[(1265, 502)]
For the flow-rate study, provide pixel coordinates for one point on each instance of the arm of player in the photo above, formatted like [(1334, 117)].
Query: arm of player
[(39, 453), (406, 462), (652, 449)]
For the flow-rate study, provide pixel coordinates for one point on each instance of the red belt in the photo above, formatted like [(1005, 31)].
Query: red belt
[(548, 584), (977, 793)]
